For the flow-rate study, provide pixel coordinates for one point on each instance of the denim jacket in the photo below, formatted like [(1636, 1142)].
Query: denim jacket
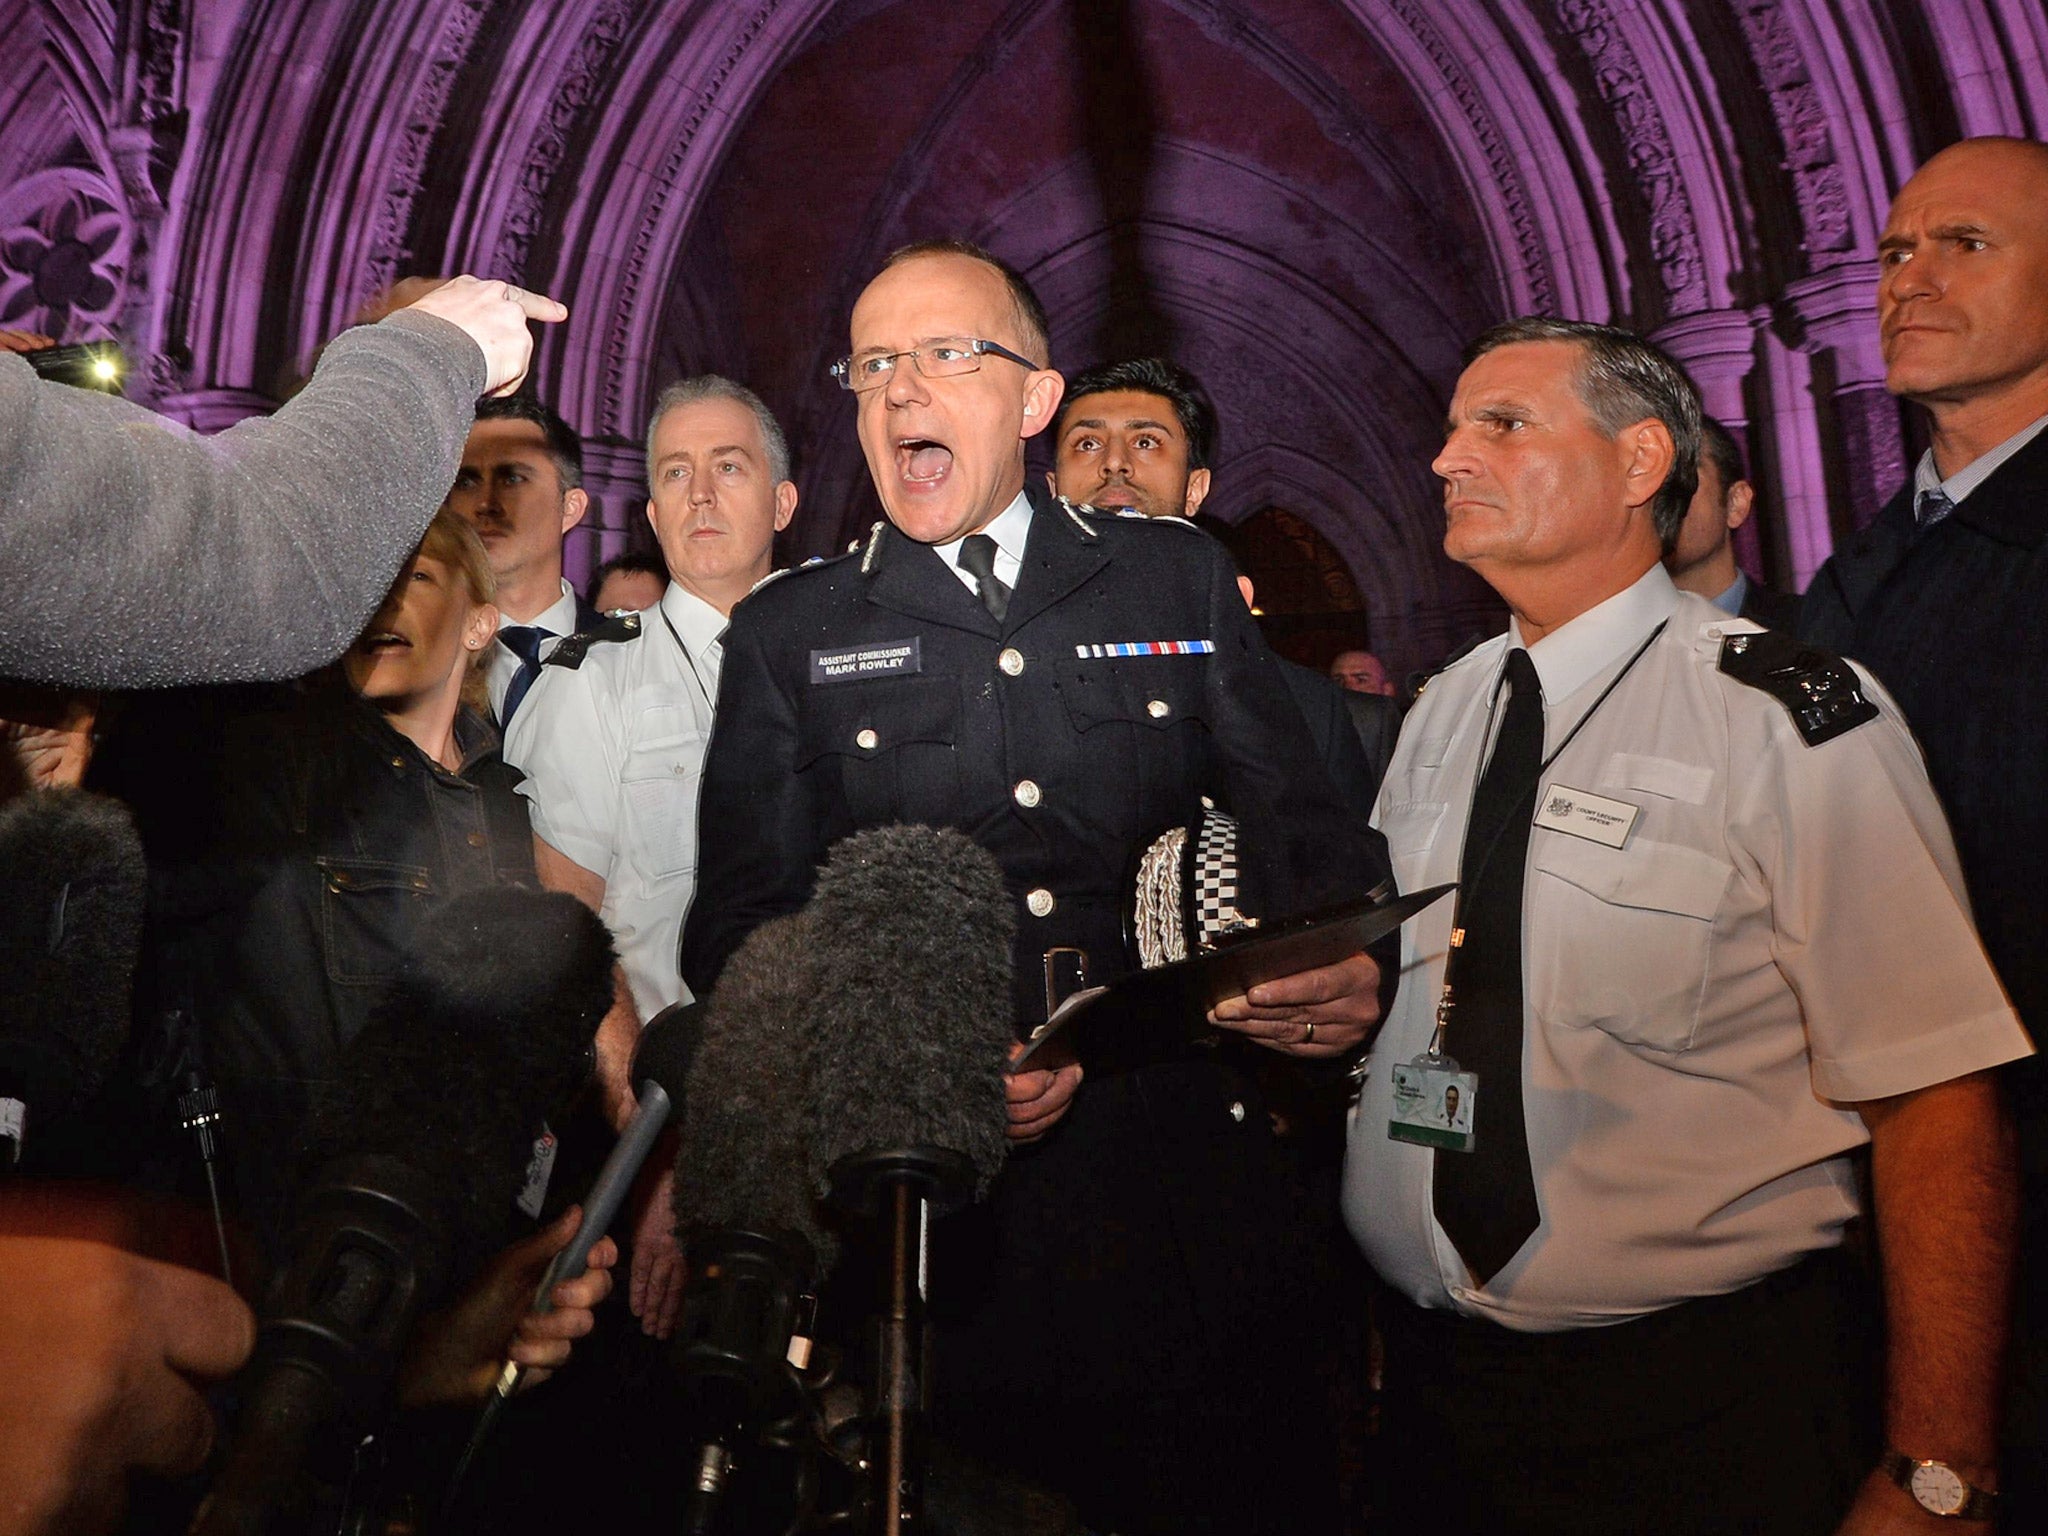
[(337, 834)]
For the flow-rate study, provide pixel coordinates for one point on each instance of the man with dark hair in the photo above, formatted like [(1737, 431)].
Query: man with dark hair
[(1945, 597), (1709, 941), (521, 486), (1138, 434), (1129, 1318), (1362, 672), (1704, 559), (628, 583)]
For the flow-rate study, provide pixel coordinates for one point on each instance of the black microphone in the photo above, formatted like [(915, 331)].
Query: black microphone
[(421, 1146), (72, 887), (661, 1063), (745, 1205), (908, 1044)]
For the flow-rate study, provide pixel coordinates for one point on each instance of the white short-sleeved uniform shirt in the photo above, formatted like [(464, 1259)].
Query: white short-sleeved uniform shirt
[(1783, 934), (613, 752)]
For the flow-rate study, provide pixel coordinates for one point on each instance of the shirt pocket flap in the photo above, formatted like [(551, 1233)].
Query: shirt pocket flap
[(1659, 776), (666, 745), (1655, 877), (868, 719), (1410, 826)]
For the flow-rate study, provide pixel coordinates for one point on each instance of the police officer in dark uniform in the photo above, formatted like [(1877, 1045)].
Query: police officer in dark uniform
[(1130, 1318)]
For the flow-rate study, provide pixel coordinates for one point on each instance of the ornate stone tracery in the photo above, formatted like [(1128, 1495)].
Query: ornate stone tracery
[(1331, 197)]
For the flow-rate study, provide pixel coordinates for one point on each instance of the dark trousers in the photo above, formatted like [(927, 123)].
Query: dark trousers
[(1751, 1414)]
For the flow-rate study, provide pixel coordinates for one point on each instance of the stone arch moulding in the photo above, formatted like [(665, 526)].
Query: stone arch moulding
[(234, 231), (661, 132)]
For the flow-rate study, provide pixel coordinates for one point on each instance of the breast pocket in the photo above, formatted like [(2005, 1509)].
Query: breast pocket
[(368, 911), (1140, 735), (1411, 828), (892, 745), (659, 782), (1628, 932)]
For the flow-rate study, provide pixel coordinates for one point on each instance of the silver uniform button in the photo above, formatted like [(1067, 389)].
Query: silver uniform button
[(1026, 793), (866, 740), (1011, 660), (1158, 709), (1040, 902), (1237, 1111)]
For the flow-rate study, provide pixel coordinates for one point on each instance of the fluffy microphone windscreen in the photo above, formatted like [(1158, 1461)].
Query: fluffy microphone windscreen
[(72, 885), (744, 1155), (911, 1027), (487, 1031)]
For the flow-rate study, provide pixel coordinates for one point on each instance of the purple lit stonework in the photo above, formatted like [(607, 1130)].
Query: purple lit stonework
[(1312, 203)]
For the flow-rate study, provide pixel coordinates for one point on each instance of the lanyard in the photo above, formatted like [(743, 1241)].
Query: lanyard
[(1443, 1007), (711, 704)]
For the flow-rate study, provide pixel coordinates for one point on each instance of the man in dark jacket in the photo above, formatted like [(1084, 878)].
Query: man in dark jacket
[(1703, 560), (1129, 1319), (1141, 435), (1945, 597)]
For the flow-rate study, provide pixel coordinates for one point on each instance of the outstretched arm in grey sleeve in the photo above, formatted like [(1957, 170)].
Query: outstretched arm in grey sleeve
[(140, 554)]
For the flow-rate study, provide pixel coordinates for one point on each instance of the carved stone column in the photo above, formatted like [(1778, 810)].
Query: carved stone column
[(1833, 317)]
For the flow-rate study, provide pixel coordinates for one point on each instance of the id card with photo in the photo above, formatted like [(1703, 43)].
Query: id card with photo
[(1433, 1104)]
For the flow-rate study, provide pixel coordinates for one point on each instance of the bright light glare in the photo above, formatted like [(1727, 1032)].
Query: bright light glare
[(105, 370)]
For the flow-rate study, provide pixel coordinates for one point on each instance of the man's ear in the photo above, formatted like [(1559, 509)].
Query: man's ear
[(1244, 588), (1042, 392), (1052, 482), (785, 504), (1740, 503), (574, 504), (1198, 492), (1650, 453)]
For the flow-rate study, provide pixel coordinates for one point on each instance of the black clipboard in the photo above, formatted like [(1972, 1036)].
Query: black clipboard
[(1156, 1015)]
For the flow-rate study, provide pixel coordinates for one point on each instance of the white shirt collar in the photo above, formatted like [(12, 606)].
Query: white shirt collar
[(1973, 474), (1010, 528), (1573, 654), (558, 618), (698, 623)]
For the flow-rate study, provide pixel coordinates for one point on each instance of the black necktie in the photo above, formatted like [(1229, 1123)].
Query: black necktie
[(1930, 507), (1486, 1198), (525, 642), (978, 559)]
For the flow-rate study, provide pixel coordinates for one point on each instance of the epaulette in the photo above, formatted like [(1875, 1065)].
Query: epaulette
[(572, 649), (1820, 689), (1417, 681), (796, 570), (1078, 513)]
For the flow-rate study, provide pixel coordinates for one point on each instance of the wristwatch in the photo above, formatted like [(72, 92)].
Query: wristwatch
[(1938, 1488)]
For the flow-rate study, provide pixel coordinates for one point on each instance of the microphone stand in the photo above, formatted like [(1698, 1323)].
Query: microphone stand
[(903, 1188)]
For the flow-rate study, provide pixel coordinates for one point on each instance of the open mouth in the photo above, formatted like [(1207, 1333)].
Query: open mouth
[(921, 461), (383, 640)]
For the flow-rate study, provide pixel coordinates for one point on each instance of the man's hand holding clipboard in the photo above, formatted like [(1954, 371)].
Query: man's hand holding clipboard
[(1316, 994)]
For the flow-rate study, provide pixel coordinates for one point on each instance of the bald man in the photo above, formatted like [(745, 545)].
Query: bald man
[(1945, 598)]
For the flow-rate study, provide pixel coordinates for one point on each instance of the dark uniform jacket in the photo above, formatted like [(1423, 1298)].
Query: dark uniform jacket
[(1152, 1244), (334, 834), (1770, 607), (1954, 621)]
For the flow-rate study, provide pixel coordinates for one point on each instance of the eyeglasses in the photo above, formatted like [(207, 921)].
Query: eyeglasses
[(941, 359)]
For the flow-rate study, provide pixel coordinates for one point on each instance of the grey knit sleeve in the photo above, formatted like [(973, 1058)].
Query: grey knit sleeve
[(136, 553)]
